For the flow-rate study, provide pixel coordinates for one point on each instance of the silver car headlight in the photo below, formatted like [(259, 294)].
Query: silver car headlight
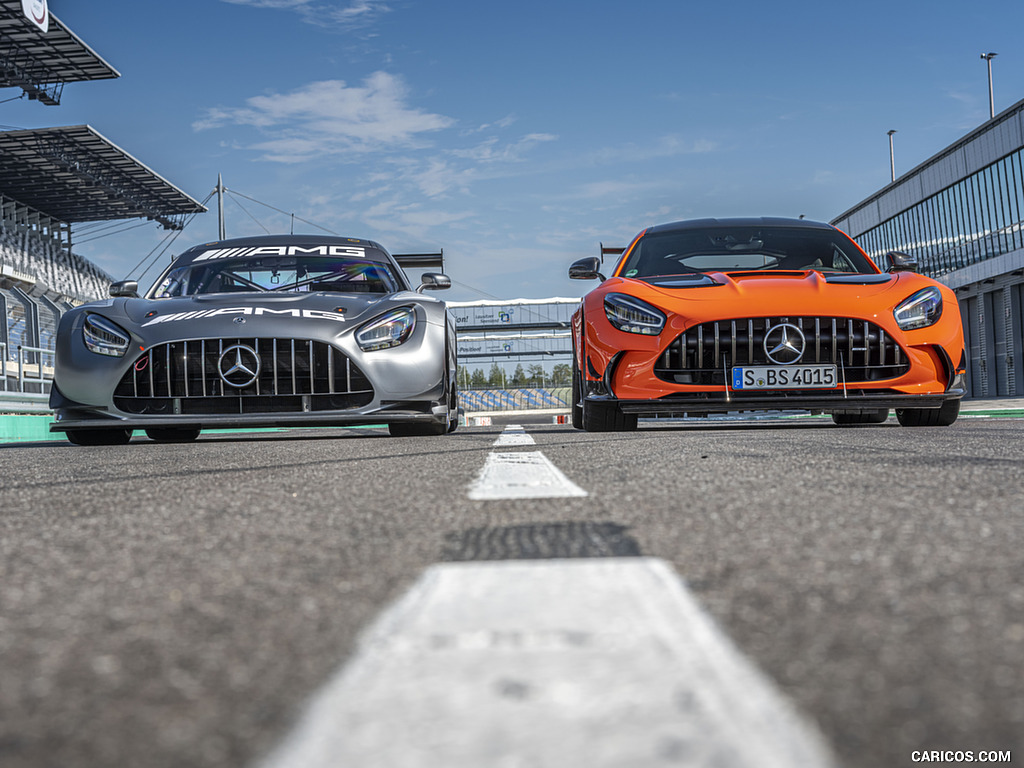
[(632, 315), (388, 330), (922, 309), (104, 337)]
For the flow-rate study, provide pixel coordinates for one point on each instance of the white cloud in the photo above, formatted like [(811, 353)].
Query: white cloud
[(489, 150), (504, 122), (438, 177), (393, 217), (331, 117), (615, 189), (358, 13), (352, 15)]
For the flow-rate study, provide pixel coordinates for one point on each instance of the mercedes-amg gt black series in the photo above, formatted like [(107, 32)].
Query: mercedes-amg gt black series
[(277, 331)]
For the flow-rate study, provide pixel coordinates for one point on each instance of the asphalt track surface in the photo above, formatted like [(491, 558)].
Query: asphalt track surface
[(179, 605)]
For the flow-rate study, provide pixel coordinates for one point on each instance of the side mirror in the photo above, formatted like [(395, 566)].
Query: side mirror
[(897, 261), (128, 289), (586, 269), (434, 281)]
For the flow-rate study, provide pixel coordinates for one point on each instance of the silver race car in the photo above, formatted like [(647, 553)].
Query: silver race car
[(279, 331)]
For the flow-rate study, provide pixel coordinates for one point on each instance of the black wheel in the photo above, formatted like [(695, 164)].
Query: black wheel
[(171, 435), (453, 409), (99, 436), (416, 430), (606, 417), (451, 374), (929, 417), (577, 399), (871, 416)]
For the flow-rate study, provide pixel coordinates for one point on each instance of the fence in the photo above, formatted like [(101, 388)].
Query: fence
[(30, 372), (526, 399)]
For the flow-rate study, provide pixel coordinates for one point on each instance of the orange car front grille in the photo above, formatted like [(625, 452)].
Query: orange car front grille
[(702, 354)]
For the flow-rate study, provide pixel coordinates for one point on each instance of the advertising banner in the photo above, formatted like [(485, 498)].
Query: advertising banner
[(37, 12), (475, 347)]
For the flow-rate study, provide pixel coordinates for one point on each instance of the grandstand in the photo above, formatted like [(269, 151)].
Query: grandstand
[(507, 333), (50, 179), (514, 399), (41, 58)]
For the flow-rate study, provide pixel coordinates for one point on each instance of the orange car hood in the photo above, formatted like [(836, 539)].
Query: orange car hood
[(779, 293)]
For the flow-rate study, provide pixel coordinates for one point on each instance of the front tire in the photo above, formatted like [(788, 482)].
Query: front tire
[(453, 410), (577, 400), (929, 417), (99, 436), (871, 416), (606, 417), (452, 375)]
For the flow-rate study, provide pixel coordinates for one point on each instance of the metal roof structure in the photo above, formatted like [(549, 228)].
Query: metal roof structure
[(41, 63), (74, 174)]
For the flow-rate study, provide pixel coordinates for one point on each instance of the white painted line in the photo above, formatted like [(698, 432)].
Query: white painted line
[(514, 435), (523, 475), (600, 663)]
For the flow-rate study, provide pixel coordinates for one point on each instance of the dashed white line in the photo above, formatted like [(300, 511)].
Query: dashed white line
[(521, 475), (514, 435), (600, 663)]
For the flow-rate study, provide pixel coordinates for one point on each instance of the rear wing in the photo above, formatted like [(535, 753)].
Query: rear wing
[(421, 260), (610, 251)]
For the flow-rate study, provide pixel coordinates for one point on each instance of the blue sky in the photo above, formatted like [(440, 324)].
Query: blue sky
[(517, 136)]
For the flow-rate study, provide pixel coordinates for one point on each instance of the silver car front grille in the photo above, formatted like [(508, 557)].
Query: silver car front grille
[(702, 354), (292, 375)]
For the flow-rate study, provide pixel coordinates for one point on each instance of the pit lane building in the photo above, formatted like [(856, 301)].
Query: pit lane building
[(50, 179), (961, 213)]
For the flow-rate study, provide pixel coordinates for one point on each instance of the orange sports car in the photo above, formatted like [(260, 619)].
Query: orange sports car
[(730, 315)]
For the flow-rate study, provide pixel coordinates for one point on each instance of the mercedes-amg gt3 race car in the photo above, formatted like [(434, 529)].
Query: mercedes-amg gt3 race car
[(733, 315), (279, 331)]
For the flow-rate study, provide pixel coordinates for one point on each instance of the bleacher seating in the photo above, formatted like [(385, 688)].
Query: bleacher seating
[(522, 399)]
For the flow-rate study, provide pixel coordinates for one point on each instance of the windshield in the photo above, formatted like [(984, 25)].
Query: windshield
[(732, 249), (285, 274)]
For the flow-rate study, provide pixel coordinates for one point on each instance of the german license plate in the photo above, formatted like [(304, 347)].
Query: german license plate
[(784, 377)]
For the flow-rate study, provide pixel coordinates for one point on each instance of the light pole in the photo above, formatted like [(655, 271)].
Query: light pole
[(892, 157), (991, 99)]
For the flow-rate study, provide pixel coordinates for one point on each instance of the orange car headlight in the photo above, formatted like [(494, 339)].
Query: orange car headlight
[(631, 315), (922, 309)]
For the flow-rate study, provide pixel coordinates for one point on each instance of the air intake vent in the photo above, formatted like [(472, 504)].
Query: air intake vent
[(702, 354), (195, 377)]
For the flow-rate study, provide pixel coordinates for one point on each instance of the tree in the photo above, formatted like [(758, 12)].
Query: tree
[(519, 376), (496, 378), (535, 374), (561, 375), (477, 380)]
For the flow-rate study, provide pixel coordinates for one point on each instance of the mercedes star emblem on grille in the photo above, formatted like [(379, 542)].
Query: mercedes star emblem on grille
[(239, 366), (784, 344)]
